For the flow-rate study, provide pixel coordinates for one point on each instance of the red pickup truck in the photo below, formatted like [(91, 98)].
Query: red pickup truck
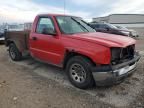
[(87, 57)]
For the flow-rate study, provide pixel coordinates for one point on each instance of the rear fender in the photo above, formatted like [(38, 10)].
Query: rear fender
[(17, 43)]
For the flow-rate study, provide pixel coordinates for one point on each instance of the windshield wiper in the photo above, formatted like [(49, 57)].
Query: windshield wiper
[(79, 24)]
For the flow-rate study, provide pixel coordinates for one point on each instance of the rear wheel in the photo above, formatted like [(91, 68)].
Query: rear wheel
[(14, 52), (79, 74)]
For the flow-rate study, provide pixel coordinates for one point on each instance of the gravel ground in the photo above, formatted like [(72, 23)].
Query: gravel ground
[(20, 87), (31, 84)]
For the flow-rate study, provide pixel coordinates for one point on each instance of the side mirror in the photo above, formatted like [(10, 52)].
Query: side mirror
[(49, 31)]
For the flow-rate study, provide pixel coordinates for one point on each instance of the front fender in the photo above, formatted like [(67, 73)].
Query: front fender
[(100, 55)]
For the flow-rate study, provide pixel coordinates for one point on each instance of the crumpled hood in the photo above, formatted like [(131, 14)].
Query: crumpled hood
[(105, 39)]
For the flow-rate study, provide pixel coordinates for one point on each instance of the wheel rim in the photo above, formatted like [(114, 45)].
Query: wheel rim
[(12, 53), (78, 73)]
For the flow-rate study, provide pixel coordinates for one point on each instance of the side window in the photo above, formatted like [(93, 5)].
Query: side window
[(103, 26), (97, 26), (106, 26), (45, 26)]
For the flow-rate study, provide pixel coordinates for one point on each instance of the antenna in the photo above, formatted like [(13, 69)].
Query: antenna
[(64, 6)]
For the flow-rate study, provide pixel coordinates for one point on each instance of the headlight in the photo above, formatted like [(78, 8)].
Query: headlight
[(115, 53), (118, 54)]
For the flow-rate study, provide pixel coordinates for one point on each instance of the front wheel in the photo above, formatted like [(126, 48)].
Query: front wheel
[(79, 74), (14, 52)]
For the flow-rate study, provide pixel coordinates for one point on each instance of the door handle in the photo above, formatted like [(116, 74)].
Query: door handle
[(34, 38)]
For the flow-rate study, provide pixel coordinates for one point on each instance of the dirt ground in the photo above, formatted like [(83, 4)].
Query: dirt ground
[(31, 84)]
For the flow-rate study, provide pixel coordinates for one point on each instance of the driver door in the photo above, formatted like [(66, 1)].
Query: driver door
[(44, 43)]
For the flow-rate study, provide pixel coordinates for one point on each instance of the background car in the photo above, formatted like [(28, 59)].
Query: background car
[(109, 28), (2, 36), (133, 33)]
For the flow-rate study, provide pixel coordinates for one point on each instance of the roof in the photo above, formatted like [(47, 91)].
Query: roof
[(49, 14)]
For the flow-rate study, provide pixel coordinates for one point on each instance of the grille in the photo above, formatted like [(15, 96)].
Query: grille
[(127, 53)]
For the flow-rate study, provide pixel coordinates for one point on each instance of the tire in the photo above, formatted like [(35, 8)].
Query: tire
[(14, 53), (78, 71)]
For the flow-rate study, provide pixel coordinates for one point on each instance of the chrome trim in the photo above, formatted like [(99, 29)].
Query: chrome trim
[(103, 76), (125, 69)]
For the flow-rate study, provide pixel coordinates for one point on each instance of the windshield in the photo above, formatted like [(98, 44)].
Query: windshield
[(72, 25)]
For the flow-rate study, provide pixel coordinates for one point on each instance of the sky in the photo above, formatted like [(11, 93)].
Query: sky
[(25, 10)]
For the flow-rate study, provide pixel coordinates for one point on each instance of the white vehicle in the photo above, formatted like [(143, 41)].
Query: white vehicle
[(132, 33), (2, 36), (2, 39)]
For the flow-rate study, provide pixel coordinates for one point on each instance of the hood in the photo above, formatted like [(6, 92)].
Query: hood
[(126, 32), (105, 39)]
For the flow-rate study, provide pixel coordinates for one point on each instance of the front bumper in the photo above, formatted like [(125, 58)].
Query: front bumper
[(113, 74)]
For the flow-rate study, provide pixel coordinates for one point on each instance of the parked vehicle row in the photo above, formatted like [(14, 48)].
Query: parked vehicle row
[(2, 36), (109, 28), (132, 33), (87, 56)]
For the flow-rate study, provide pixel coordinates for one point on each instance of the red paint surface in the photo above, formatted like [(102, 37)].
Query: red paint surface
[(96, 46)]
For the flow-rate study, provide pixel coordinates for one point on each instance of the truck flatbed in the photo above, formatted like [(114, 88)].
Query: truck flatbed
[(20, 38)]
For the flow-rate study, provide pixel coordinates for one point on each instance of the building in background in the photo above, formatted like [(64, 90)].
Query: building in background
[(131, 21)]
